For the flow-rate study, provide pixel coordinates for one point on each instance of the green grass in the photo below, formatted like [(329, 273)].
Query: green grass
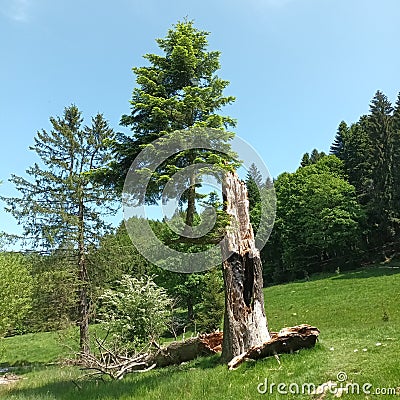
[(354, 311), (36, 348)]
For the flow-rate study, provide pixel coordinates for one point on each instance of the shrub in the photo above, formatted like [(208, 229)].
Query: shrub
[(136, 311)]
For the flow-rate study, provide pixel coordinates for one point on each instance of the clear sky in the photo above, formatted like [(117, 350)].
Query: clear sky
[(297, 67)]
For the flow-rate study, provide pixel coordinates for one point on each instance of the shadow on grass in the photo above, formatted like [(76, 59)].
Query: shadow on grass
[(370, 272), (22, 366), (88, 390), (133, 385)]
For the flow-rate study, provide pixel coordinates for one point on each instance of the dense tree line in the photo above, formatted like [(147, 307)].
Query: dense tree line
[(337, 210), (370, 150)]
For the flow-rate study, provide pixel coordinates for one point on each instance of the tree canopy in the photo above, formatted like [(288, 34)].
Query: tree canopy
[(179, 89)]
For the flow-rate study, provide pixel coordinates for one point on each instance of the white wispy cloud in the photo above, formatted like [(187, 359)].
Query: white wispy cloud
[(17, 10)]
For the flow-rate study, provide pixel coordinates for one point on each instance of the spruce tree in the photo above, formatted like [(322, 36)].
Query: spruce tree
[(313, 158), (396, 163), (357, 159), (253, 183), (381, 134), (62, 207), (177, 91), (337, 147)]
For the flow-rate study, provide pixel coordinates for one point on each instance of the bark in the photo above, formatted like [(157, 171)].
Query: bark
[(189, 349), (191, 205), (287, 340), (190, 309), (83, 278), (245, 323)]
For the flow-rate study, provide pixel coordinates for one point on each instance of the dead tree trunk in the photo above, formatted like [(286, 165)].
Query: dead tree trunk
[(115, 365), (287, 340), (245, 324)]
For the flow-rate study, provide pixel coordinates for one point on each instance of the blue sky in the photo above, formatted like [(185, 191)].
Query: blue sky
[(297, 67)]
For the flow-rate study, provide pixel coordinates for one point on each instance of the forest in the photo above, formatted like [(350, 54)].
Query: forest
[(339, 210)]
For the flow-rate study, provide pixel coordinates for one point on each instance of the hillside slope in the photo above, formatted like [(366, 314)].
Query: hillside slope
[(358, 314)]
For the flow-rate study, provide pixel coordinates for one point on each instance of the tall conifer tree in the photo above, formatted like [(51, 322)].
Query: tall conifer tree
[(177, 91), (62, 207)]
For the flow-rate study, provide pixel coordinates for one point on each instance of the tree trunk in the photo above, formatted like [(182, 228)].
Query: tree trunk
[(83, 281), (287, 340), (245, 324), (191, 205), (190, 309), (178, 352)]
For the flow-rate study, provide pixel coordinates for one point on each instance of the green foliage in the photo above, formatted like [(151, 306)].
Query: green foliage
[(54, 294), (117, 256), (16, 288), (136, 311), (114, 257), (369, 150), (49, 207), (253, 182), (179, 88), (178, 91), (261, 195), (380, 129), (62, 206), (337, 146), (211, 307), (313, 158), (187, 289), (318, 219)]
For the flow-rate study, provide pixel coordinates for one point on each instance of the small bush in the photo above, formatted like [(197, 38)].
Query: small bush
[(136, 311)]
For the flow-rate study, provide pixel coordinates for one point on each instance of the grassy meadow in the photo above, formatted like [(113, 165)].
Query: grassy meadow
[(357, 313)]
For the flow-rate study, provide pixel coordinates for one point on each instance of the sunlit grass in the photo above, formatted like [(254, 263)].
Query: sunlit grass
[(354, 311)]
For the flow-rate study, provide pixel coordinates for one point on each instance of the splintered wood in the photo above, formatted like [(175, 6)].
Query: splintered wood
[(245, 323), (287, 340)]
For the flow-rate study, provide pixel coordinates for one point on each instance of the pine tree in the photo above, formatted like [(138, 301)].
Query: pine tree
[(177, 91), (253, 183), (313, 158), (381, 134), (337, 147), (396, 164), (61, 206)]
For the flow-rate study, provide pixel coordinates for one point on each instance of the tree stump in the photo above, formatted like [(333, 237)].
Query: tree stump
[(245, 323)]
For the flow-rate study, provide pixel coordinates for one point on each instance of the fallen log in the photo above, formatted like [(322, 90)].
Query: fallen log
[(116, 366), (189, 349), (287, 340)]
